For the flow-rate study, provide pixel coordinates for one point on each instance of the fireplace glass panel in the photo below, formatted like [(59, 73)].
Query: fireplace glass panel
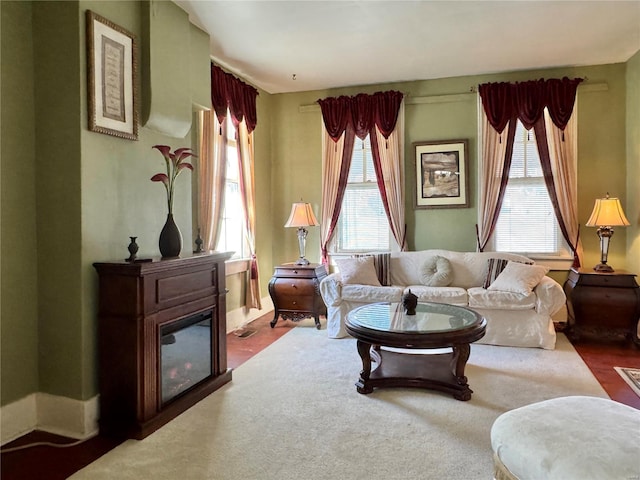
[(185, 354)]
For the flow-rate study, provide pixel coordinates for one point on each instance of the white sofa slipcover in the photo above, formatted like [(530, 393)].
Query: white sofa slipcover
[(513, 319)]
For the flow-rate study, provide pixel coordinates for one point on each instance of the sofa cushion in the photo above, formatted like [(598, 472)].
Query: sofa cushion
[(450, 295), (369, 294), (519, 278), (480, 297), (382, 264), (358, 271), (469, 269), (436, 271), (495, 266)]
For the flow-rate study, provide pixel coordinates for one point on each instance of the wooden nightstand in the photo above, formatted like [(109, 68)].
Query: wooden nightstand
[(607, 304), (295, 291)]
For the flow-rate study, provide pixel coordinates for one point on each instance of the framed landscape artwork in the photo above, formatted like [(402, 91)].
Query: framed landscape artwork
[(111, 78), (441, 174)]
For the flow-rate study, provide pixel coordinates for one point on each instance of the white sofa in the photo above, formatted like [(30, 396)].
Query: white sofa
[(514, 318)]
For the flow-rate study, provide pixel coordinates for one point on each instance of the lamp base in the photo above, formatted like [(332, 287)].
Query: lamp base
[(603, 267), (302, 261)]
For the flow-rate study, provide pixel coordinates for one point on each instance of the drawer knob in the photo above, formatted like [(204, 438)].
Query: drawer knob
[(295, 303), (295, 272), (293, 285)]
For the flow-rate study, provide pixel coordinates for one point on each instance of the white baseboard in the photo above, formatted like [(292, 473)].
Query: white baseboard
[(68, 417), (49, 413), (18, 418), (241, 316)]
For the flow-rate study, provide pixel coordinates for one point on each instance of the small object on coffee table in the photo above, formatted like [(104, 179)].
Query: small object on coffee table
[(409, 301), (380, 325)]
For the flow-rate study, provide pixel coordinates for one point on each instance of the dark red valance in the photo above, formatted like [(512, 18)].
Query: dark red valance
[(527, 100), (230, 92), (362, 112)]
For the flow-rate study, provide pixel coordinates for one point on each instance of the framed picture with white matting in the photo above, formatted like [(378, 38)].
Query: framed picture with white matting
[(441, 174), (111, 78)]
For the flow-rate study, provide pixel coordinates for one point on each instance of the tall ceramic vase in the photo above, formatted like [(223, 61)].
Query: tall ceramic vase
[(170, 242)]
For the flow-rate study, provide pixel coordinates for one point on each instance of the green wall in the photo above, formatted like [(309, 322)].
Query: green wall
[(632, 208), (265, 198), (58, 185), (443, 109), (18, 242)]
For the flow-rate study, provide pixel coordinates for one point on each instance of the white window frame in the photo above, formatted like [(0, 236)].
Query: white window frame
[(336, 248)]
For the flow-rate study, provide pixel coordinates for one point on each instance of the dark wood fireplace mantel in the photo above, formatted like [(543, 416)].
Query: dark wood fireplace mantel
[(135, 301)]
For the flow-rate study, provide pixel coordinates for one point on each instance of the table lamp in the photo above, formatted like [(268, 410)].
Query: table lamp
[(607, 213), (302, 216)]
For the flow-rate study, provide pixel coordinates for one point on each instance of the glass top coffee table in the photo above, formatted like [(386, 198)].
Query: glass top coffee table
[(434, 326)]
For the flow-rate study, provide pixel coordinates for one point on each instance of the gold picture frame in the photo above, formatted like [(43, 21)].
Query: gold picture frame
[(442, 179), (112, 70)]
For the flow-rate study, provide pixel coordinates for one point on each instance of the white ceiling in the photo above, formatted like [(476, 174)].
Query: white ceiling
[(328, 44)]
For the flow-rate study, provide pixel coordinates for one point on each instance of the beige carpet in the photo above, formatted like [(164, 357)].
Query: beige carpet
[(292, 412)]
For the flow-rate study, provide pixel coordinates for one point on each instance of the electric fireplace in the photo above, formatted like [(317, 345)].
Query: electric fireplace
[(185, 354), (161, 338)]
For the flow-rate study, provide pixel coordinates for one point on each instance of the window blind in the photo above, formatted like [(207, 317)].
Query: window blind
[(527, 223), (363, 224)]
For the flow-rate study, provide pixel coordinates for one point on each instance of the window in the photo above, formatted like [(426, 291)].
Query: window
[(232, 235), (363, 224), (527, 223)]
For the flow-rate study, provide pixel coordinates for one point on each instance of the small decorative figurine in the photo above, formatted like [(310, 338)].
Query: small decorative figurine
[(198, 243), (133, 249), (409, 302)]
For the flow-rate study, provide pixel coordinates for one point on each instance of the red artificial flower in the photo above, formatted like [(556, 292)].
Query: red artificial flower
[(175, 162)]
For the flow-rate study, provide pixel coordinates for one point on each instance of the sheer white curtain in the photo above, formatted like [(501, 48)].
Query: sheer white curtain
[(246, 157), (563, 154), (495, 147), (336, 159), (212, 162), (391, 154)]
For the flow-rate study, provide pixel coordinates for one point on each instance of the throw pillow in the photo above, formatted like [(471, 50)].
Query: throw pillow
[(436, 272), (359, 271), (519, 278), (495, 267), (382, 264)]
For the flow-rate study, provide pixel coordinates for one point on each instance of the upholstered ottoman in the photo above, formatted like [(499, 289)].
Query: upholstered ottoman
[(568, 438)]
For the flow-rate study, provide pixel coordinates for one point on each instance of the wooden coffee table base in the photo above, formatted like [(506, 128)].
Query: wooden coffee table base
[(437, 371)]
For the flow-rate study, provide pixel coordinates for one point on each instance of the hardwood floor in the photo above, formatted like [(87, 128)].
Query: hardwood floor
[(602, 357), (49, 463)]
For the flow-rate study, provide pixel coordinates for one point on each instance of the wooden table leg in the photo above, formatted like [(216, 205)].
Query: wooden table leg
[(364, 350), (459, 358)]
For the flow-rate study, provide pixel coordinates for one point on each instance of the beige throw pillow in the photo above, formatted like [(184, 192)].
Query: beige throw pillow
[(436, 272), (519, 278), (358, 271), (494, 268)]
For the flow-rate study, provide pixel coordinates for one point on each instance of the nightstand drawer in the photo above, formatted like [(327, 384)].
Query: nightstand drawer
[(603, 280), (295, 272), (294, 287), (299, 303)]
